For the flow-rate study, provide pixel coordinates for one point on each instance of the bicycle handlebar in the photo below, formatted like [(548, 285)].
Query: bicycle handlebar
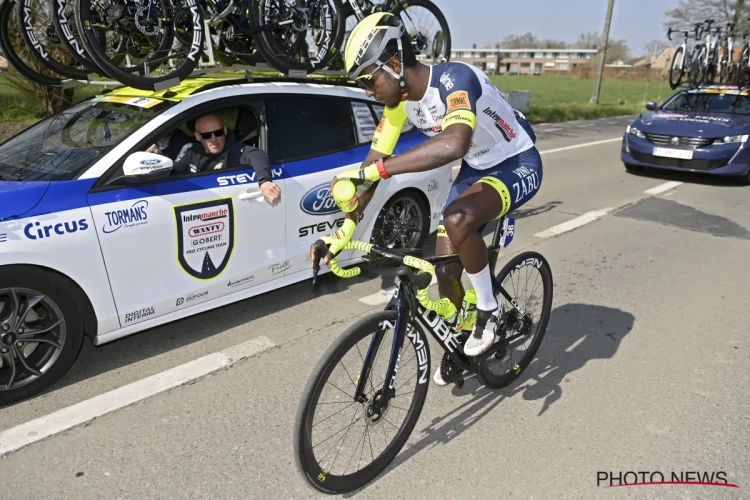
[(443, 307)]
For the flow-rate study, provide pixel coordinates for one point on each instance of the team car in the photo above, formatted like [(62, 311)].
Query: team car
[(100, 238), (703, 129)]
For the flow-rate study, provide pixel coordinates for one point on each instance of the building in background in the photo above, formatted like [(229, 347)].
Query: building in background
[(523, 61)]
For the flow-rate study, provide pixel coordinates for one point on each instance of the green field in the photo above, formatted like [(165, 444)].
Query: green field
[(560, 99), (553, 99)]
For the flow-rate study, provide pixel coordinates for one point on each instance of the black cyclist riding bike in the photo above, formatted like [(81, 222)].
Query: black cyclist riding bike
[(469, 119)]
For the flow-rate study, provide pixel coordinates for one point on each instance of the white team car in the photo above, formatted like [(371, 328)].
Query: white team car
[(80, 201)]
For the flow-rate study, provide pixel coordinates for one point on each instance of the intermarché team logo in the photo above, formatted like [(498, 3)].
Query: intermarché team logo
[(609, 479)]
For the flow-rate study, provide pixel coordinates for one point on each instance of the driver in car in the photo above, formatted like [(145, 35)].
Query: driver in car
[(217, 149)]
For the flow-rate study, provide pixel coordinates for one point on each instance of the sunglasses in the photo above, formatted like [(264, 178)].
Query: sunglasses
[(207, 135), (365, 81)]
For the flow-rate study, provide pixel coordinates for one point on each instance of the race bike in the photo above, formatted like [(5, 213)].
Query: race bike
[(370, 396)]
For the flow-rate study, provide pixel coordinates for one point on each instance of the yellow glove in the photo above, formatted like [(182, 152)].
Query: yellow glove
[(358, 175), (335, 242)]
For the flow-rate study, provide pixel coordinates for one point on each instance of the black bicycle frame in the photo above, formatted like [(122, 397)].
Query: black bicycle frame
[(407, 306)]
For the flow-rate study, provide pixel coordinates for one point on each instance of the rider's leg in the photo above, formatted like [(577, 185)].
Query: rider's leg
[(504, 188)]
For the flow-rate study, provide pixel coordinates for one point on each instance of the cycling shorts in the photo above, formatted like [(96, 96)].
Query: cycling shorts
[(517, 179)]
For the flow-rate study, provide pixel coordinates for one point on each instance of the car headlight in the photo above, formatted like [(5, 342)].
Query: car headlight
[(636, 132), (731, 139)]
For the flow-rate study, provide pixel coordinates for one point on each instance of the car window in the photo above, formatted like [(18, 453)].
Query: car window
[(309, 126), (379, 109), (715, 103), (67, 143), (364, 119)]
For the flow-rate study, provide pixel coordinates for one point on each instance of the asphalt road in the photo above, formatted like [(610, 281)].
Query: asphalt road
[(645, 366)]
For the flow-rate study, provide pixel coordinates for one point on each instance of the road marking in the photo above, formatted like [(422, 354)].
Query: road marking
[(35, 430), (576, 146), (573, 223), (556, 129), (567, 148), (663, 187), (589, 124), (383, 296)]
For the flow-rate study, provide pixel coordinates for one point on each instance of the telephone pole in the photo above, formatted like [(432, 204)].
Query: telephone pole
[(603, 56)]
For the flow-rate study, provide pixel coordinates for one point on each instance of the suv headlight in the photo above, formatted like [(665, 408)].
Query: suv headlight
[(636, 132), (731, 139)]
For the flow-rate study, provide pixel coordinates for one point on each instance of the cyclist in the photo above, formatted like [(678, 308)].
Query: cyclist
[(466, 117)]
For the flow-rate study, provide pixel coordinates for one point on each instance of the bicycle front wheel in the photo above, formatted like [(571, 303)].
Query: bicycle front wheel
[(342, 440), (528, 280)]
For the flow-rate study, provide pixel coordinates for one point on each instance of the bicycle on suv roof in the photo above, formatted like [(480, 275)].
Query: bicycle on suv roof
[(368, 401)]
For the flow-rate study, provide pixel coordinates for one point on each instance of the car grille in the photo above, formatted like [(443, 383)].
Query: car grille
[(676, 162), (666, 140)]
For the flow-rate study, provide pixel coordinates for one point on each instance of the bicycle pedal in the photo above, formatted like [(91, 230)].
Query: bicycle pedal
[(459, 382)]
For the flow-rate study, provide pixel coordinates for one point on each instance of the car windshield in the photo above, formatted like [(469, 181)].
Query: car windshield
[(67, 143), (713, 103)]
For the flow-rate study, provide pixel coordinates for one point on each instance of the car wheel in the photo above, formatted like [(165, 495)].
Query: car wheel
[(744, 180), (404, 222), (41, 331)]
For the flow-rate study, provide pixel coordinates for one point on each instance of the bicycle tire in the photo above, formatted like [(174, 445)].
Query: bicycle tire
[(434, 10), (11, 55), (272, 53), (127, 76), (521, 260), (675, 82), (65, 26), (43, 53), (303, 450)]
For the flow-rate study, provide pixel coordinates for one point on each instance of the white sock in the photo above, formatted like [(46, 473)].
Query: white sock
[(482, 283)]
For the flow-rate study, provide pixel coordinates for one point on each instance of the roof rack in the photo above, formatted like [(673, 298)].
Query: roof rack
[(210, 66)]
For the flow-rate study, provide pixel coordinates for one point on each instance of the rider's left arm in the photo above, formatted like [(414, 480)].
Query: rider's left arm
[(452, 144)]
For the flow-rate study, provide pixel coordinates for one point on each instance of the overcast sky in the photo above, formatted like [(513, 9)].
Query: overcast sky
[(480, 21)]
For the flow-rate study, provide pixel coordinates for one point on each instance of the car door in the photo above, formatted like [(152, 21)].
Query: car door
[(312, 138), (177, 242)]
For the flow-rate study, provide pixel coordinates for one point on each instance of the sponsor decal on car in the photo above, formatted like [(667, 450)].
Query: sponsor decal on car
[(3, 237), (37, 231), (318, 201), (140, 314), (232, 180), (241, 281), (279, 268), (191, 298), (205, 237), (136, 215)]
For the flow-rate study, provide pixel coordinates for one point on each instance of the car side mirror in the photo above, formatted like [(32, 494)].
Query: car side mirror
[(651, 106), (142, 163), (141, 166)]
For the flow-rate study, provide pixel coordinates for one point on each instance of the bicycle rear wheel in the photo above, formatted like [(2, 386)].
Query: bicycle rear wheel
[(436, 46), (676, 71), (367, 343), (505, 366)]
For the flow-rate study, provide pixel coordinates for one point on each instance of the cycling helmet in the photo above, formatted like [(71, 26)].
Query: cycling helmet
[(374, 40)]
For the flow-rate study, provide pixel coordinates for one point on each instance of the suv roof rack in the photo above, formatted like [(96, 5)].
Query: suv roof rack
[(219, 76)]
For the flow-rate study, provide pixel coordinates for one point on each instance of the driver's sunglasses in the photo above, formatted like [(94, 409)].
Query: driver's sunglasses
[(207, 135)]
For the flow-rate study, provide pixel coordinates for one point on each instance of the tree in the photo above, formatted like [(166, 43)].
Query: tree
[(525, 41), (588, 40), (654, 48), (689, 12), (617, 50)]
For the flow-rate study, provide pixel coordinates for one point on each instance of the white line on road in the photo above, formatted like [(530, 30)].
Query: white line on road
[(589, 124), (576, 146), (556, 129), (663, 187), (573, 223), (22, 435)]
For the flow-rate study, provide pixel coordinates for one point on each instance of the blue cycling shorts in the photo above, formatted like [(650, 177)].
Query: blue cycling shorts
[(517, 179)]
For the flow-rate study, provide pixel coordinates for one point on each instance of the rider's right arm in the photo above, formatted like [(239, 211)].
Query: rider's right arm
[(389, 130), (383, 143)]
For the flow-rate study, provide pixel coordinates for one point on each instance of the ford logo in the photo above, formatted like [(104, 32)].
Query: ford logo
[(150, 161), (318, 201)]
